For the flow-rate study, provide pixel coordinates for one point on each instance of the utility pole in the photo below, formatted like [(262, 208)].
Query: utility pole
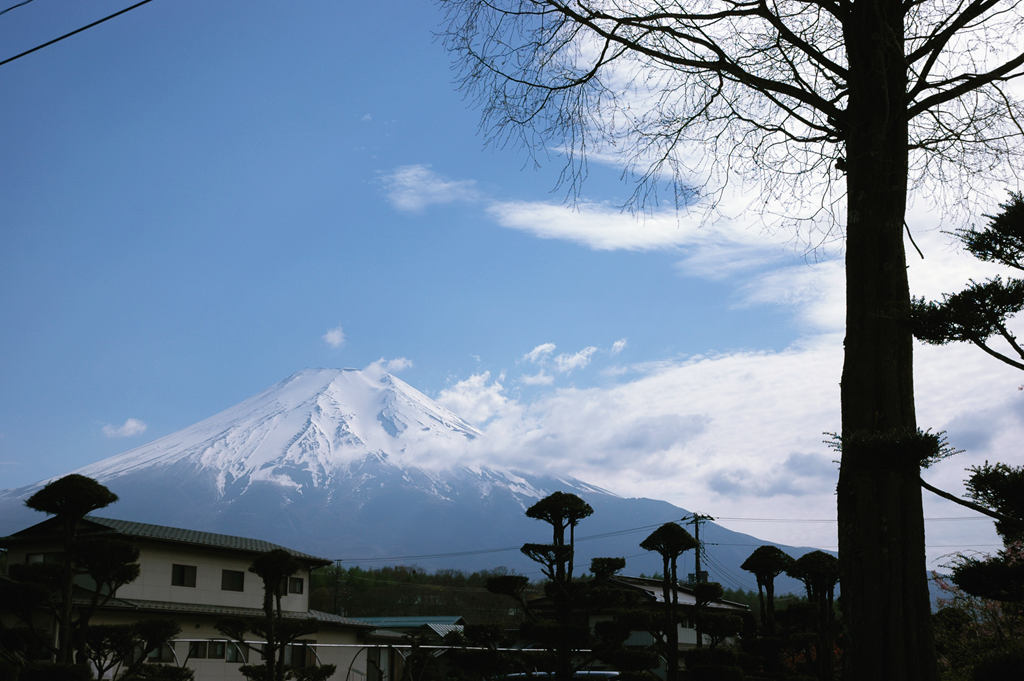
[(696, 519), (699, 576)]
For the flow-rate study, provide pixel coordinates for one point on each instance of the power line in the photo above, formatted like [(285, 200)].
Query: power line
[(833, 520), (631, 530), (74, 32), (15, 6)]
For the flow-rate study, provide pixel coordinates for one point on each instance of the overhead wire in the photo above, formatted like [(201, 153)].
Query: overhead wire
[(14, 6), (74, 32), (640, 528)]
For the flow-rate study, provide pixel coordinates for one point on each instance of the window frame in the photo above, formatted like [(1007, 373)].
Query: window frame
[(225, 575), (181, 575)]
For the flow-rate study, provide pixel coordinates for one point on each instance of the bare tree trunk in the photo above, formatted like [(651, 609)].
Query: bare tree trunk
[(881, 527)]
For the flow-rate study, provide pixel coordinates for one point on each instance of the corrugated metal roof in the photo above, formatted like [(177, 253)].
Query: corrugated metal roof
[(413, 622), (443, 630)]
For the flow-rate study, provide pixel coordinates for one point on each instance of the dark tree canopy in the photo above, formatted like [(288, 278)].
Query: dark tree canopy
[(72, 496), (767, 562), (561, 510), (670, 540), (982, 310)]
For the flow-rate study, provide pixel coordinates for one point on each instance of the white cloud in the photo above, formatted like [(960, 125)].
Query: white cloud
[(539, 353), (129, 428), (391, 366), (740, 435), (539, 378), (412, 188), (335, 337), (618, 346), (565, 363), (476, 398)]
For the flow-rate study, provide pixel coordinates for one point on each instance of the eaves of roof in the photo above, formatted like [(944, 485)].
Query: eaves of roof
[(165, 534), (147, 606)]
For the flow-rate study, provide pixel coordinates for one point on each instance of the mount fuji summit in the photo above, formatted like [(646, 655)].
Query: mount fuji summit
[(357, 465)]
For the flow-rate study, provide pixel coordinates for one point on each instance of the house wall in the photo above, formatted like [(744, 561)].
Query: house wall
[(332, 646), (154, 580)]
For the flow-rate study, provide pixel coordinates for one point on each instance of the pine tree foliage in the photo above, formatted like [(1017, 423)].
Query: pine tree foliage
[(984, 310)]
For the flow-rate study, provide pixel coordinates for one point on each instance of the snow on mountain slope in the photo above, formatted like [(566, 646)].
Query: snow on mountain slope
[(306, 430)]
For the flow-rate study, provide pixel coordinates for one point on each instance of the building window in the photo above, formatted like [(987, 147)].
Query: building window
[(236, 652), (164, 653), (206, 650), (295, 585), (232, 580), (183, 575), (299, 654), (48, 557)]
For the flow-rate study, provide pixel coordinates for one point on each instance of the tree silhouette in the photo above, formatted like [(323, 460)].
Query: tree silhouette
[(563, 512), (981, 311), (819, 571), (274, 568), (670, 541), (767, 562), (69, 499), (801, 95)]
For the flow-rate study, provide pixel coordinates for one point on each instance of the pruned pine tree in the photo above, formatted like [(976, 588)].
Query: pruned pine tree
[(69, 500), (278, 631), (670, 541), (982, 311), (819, 571), (828, 105), (767, 562)]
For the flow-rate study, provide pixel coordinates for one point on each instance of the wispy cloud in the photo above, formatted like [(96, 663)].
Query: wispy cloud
[(539, 353), (391, 366), (618, 346), (335, 337), (414, 187), (539, 378), (565, 363), (129, 428)]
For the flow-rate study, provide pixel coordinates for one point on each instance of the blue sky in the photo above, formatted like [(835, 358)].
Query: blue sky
[(201, 198)]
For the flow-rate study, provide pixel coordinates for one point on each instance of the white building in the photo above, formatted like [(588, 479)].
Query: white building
[(196, 579)]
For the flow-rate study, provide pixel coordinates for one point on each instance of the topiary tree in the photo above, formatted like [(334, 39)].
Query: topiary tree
[(767, 562), (563, 512), (274, 568), (69, 499), (819, 571), (670, 541)]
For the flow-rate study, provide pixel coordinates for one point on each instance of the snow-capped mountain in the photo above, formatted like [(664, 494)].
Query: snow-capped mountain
[(356, 464)]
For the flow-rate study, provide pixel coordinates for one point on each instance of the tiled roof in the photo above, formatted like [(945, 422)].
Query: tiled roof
[(136, 604), (653, 588), (161, 533), (196, 538)]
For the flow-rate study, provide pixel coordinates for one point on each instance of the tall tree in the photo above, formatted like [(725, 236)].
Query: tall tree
[(799, 94), (819, 571), (274, 568), (767, 562), (69, 499), (563, 511), (670, 541)]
